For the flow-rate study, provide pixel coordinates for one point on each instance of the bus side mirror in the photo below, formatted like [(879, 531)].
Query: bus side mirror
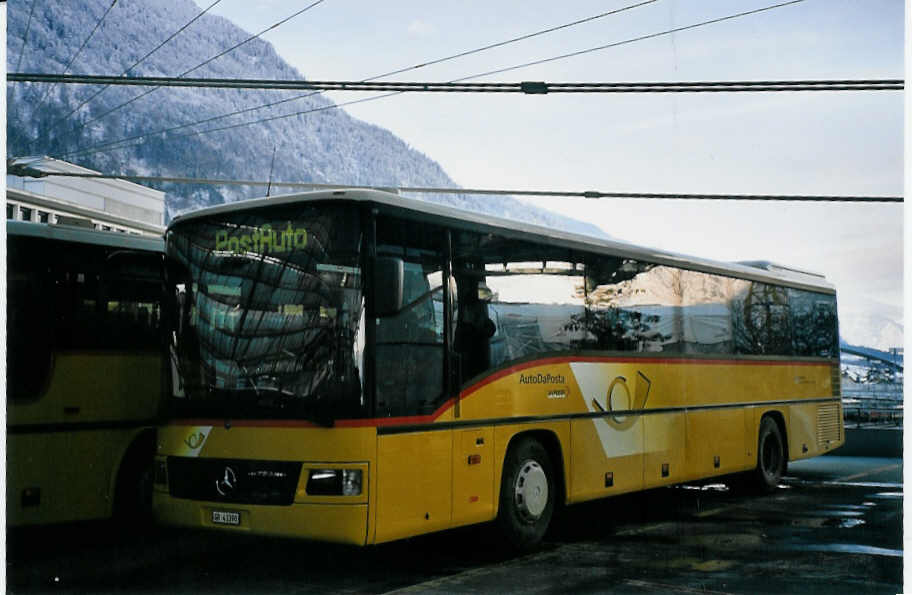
[(389, 278)]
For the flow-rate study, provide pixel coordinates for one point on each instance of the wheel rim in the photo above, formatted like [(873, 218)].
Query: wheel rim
[(530, 491)]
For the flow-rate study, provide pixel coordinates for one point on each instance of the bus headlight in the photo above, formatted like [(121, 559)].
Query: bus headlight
[(334, 482)]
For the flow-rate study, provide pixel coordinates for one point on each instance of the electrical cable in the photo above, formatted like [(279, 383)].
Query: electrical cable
[(79, 51), (201, 64), (421, 65), (509, 41), (104, 147), (26, 170), (138, 62), (28, 26), (526, 87), (632, 40)]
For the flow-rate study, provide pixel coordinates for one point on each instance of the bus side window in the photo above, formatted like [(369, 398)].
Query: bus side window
[(77, 321), (133, 305), (409, 346), (29, 316), (516, 300)]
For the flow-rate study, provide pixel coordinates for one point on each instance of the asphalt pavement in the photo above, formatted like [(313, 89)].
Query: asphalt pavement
[(834, 525)]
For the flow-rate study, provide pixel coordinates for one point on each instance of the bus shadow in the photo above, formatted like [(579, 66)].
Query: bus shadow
[(102, 556)]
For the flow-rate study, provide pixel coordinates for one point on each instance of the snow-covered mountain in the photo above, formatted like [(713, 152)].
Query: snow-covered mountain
[(872, 324), (316, 144)]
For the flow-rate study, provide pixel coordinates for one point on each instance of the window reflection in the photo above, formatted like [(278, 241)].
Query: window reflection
[(546, 299), (409, 346)]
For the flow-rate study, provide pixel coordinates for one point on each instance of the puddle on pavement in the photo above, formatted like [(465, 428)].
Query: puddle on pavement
[(713, 565), (843, 523), (832, 522), (834, 512), (847, 548), (726, 540), (692, 563), (715, 487), (864, 506), (863, 484)]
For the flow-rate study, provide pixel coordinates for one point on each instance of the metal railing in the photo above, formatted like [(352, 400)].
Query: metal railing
[(873, 403)]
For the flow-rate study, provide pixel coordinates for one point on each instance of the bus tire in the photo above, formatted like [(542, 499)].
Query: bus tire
[(527, 494), (133, 491), (771, 458)]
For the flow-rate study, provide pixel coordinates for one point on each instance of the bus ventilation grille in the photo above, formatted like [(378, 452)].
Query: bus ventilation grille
[(827, 425), (233, 480)]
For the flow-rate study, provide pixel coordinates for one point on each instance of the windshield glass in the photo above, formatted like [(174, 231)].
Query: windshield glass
[(268, 314)]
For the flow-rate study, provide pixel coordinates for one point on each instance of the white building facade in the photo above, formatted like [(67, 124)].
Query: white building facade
[(105, 204)]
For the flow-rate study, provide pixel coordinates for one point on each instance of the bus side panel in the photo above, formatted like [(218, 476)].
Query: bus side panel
[(414, 483), (665, 460), (606, 460), (62, 459), (814, 429), (473, 475), (63, 476), (716, 442), (93, 387), (802, 428)]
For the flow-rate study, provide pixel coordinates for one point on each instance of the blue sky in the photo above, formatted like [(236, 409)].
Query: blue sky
[(778, 143)]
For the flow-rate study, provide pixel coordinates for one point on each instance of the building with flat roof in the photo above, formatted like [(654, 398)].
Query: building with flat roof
[(101, 203)]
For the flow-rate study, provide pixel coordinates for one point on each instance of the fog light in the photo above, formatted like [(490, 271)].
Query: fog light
[(334, 482)]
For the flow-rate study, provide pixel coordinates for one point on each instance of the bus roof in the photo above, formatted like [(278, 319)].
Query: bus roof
[(431, 212), (68, 233)]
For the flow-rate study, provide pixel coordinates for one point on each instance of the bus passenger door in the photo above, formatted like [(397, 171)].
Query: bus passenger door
[(414, 458)]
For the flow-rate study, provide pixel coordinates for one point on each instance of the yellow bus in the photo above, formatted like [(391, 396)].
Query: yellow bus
[(84, 372), (358, 367)]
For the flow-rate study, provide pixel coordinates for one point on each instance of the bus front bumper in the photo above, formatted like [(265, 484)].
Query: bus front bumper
[(339, 523)]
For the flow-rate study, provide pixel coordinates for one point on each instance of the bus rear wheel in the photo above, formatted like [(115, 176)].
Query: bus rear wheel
[(527, 493), (771, 457), (133, 490)]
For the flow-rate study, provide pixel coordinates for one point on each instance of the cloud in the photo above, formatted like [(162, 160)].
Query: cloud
[(421, 28)]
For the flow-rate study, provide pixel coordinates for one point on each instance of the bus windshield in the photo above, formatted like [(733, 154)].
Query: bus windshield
[(268, 315)]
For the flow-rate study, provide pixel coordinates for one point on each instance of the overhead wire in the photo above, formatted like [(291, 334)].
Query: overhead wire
[(631, 40), (79, 51), (387, 74), (28, 26), (201, 64), (113, 145), (589, 194), (513, 40), (138, 62), (526, 87)]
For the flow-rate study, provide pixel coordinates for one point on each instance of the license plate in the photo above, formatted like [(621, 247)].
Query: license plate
[(220, 517)]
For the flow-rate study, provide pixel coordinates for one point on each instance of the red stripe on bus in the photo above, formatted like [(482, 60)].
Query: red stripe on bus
[(396, 421)]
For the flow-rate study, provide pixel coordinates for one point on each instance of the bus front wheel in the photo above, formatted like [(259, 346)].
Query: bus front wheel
[(771, 457), (527, 492)]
